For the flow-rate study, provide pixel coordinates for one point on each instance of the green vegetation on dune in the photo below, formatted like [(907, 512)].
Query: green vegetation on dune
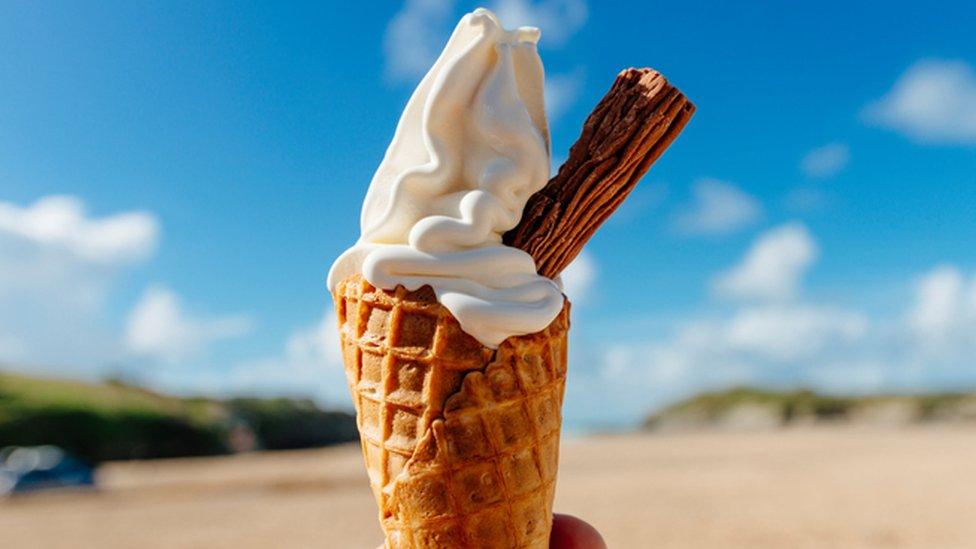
[(754, 407), (788, 403), (104, 421), (112, 420), (110, 397)]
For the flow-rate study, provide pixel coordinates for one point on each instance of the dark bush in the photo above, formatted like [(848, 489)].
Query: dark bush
[(98, 437), (113, 420), (282, 424)]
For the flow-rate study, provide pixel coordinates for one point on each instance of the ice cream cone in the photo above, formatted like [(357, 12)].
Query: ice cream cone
[(461, 441)]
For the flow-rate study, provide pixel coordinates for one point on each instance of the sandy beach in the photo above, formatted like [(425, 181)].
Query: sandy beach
[(810, 487)]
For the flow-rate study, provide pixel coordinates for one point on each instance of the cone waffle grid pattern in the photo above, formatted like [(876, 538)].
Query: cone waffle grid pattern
[(476, 430)]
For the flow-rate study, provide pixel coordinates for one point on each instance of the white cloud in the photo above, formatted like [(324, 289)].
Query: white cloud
[(773, 266), (943, 315), (308, 365), (934, 101), (414, 38), (718, 208), (736, 346), (806, 199), (795, 344), (972, 294), (60, 222), (638, 377), (58, 265), (578, 278), (561, 92), (826, 161), (780, 343), (792, 332), (784, 344), (559, 20), (938, 301), (159, 328)]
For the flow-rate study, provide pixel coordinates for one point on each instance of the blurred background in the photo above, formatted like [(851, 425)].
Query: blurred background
[(774, 339)]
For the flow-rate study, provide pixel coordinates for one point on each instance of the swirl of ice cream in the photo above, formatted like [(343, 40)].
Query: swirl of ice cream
[(471, 146)]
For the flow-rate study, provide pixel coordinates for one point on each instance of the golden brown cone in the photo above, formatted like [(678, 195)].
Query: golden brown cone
[(461, 442)]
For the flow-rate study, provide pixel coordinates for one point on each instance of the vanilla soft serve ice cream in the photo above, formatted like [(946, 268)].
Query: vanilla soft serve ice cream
[(470, 149)]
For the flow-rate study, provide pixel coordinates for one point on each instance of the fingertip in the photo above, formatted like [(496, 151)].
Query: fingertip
[(569, 532)]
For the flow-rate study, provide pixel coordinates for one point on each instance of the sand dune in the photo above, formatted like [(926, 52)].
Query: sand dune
[(812, 487)]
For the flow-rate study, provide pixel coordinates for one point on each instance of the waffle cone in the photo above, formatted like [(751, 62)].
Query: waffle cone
[(461, 442)]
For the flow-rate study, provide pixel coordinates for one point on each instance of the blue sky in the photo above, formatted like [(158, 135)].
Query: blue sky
[(176, 179)]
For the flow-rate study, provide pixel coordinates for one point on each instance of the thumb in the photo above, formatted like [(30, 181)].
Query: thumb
[(569, 532)]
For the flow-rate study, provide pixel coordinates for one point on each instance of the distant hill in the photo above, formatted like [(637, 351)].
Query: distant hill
[(753, 408), (113, 420)]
